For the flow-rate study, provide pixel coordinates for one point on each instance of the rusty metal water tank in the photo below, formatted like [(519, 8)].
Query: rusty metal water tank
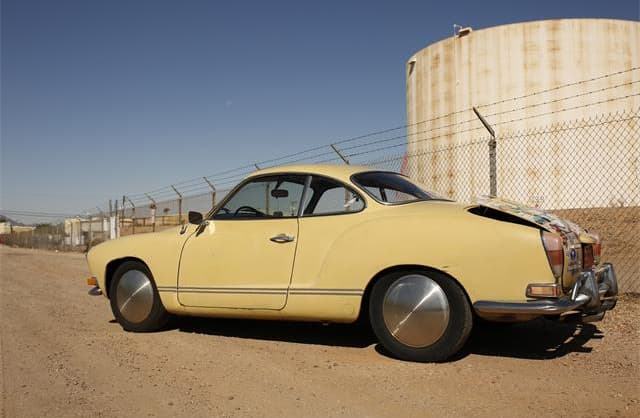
[(524, 76)]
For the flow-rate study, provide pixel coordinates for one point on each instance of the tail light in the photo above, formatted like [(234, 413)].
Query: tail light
[(588, 256), (597, 250), (555, 252)]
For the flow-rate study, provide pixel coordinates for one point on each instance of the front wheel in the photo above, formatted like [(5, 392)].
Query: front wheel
[(420, 316), (134, 298)]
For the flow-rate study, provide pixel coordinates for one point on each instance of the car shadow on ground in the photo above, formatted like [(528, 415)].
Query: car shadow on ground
[(346, 335), (538, 339)]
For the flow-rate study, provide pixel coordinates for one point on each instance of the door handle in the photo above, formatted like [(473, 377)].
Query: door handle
[(282, 238)]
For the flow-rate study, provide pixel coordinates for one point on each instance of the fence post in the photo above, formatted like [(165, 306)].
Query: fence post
[(122, 214), (133, 217), (116, 222), (346, 161), (213, 192), (100, 216), (109, 223), (152, 207), (90, 231), (493, 180), (179, 204)]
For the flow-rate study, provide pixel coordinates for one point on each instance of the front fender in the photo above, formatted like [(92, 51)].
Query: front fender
[(160, 251)]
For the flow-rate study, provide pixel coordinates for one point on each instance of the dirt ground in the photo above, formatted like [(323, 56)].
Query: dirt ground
[(63, 355), (619, 229)]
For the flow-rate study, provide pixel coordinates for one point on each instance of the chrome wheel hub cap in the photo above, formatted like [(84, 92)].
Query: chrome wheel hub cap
[(416, 310), (134, 296)]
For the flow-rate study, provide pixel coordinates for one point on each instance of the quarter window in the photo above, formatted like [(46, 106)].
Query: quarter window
[(326, 196)]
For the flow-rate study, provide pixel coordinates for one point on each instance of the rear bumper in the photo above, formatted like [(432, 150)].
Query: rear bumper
[(594, 293)]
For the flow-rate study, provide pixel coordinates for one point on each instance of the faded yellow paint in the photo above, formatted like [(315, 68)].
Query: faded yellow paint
[(336, 257), (228, 253)]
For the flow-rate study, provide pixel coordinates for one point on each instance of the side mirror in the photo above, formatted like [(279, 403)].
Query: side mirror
[(279, 193), (195, 217)]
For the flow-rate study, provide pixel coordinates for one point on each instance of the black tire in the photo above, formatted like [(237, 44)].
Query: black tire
[(157, 316), (454, 335)]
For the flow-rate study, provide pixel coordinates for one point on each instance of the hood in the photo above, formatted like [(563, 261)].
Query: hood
[(546, 220)]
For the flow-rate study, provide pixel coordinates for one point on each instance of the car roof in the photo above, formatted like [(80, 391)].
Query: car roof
[(342, 172)]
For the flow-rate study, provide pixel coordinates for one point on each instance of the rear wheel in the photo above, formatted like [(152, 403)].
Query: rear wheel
[(420, 316), (134, 298)]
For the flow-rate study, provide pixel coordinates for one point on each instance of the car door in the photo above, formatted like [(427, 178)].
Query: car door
[(244, 256)]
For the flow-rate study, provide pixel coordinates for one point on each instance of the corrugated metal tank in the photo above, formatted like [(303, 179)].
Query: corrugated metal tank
[(523, 76)]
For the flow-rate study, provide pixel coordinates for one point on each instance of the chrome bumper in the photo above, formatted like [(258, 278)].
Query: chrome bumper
[(594, 293), (95, 291)]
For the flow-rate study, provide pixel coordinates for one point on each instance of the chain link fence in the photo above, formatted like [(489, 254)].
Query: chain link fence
[(587, 170)]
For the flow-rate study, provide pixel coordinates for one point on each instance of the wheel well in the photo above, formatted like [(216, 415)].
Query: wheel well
[(364, 304), (112, 266)]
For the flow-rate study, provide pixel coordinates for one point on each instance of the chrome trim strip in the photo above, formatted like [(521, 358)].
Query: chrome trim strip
[(326, 293), (234, 290), (302, 291), (266, 291)]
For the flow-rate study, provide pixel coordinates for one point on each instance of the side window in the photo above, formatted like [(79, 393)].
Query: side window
[(265, 197), (328, 196)]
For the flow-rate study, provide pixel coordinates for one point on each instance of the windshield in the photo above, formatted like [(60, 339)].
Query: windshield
[(388, 187)]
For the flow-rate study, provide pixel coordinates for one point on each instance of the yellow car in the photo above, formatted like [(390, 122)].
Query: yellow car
[(337, 243)]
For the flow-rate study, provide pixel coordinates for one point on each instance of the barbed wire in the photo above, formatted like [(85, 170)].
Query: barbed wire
[(574, 124), (35, 214), (202, 189), (432, 138), (231, 179), (216, 178)]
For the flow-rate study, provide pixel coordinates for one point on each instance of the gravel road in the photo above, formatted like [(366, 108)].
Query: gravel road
[(63, 356)]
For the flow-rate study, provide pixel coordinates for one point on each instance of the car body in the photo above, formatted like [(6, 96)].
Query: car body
[(335, 243)]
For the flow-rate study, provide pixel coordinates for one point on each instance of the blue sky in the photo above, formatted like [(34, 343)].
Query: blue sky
[(102, 98)]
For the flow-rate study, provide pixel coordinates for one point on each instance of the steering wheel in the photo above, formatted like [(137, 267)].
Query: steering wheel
[(248, 209)]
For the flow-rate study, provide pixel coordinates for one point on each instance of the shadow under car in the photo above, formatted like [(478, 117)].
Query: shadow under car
[(539, 339)]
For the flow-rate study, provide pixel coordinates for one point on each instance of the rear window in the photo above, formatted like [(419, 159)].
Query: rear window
[(387, 187)]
